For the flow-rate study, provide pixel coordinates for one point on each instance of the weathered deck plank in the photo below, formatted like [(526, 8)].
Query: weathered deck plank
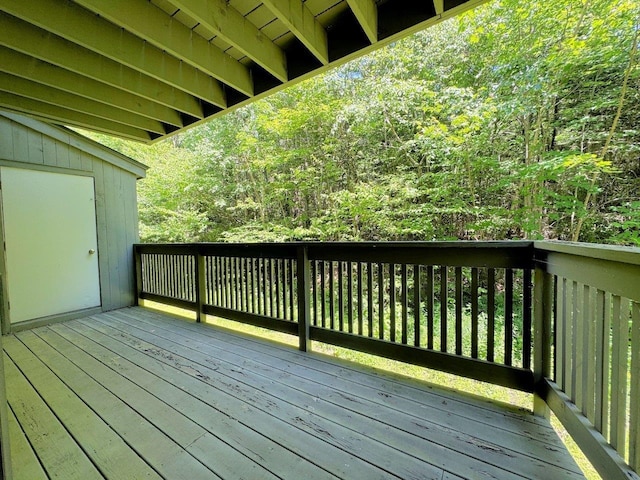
[(191, 401), (436, 443)]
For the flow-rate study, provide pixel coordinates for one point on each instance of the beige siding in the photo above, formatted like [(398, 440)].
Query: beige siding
[(116, 206)]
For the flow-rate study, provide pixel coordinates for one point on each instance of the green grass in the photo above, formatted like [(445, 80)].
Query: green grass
[(493, 392)]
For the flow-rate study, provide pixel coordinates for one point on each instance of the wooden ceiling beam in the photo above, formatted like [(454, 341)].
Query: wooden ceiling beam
[(33, 41), (46, 112), (42, 93), (74, 23), (29, 68), (232, 27), (299, 19), (366, 13), (148, 22)]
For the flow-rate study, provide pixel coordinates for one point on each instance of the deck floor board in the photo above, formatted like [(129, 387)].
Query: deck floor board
[(184, 400)]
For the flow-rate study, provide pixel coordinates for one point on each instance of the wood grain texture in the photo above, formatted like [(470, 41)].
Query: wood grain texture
[(247, 408)]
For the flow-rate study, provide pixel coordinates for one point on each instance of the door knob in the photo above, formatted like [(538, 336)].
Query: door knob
[(91, 251)]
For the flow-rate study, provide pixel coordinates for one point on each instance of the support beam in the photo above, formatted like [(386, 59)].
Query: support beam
[(367, 14), (74, 23), (148, 22), (42, 93), (22, 66), (31, 40), (65, 116), (299, 19), (231, 26)]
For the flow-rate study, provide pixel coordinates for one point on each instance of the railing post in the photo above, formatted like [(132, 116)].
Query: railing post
[(201, 284), (304, 282), (137, 260), (543, 311)]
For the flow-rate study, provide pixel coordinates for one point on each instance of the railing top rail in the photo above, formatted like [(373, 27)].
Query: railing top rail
[(496, 254), (386, 244), (614, 253)]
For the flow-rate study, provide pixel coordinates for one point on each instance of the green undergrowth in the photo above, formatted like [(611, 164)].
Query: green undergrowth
[(486, 390)]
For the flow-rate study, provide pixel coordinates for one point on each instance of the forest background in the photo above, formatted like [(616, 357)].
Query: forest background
[(519, 119)]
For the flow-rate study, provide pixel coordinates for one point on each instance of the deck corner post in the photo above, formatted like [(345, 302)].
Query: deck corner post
[(137, 261), (201, 284), (303, 286), (543, 312)]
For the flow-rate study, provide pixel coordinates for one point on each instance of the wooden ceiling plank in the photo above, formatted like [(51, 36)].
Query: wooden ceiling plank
[(116, 44), (42, 93), (33, 41), (299, 19), (150, 23), (232, 27), (22, 66), (68, 117), (366, 13)]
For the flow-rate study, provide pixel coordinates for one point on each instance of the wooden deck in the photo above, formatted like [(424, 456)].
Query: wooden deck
[(135, 394)]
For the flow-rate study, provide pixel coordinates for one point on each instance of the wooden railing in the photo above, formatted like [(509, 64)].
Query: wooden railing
[(590, 307), (465, 308)]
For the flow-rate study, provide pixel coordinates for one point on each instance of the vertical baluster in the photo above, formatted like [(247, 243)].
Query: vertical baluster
[(314, 291), (491, 313), (340, 297), (634, 419), (259, 285), (254, 286), (404, 300), (242, 284), (392, 301), (606, 364), (508, 316), (285, 286), (458, 300), (474, 312), (265, 296), (570, 349), (588, 354), (323, 294), (581, 346), (331, 297), (278, 283), (215, 279), (417, 305), (232, 290), (350, 296), (619, 359), (561, 333), (224, 265), (370, 299), (430, 306), (576, 333), (444, 281), (238, 282), (272, 284), (599, 356), (292, 288), (210, 282), (223, 284), (526, 318), (360, 299), (380, 301)]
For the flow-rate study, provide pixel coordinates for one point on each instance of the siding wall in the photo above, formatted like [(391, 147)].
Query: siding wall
[(116, 205)]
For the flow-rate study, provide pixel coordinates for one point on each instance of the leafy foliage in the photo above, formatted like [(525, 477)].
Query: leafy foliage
[(498, 132)]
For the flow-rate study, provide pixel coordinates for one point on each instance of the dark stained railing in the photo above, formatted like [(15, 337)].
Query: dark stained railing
[(557, 319)]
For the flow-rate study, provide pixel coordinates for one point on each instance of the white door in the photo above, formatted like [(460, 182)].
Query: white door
[(50, 241)]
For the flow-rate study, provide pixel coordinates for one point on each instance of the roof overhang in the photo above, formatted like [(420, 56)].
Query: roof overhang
[(145, 69)]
